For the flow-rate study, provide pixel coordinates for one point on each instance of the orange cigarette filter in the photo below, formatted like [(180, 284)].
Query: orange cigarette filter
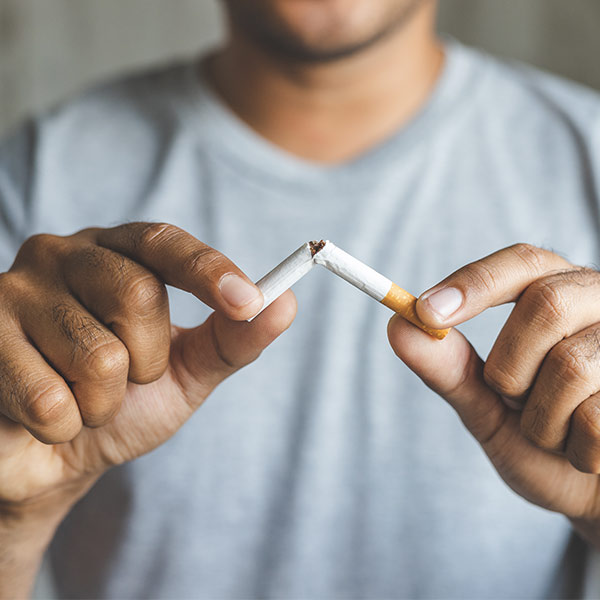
[(404, 303)]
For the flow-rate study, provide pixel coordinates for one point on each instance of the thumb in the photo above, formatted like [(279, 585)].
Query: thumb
[(452, 369), (203, 357)]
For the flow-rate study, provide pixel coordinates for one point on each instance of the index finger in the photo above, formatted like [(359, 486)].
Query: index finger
[(496, 279), (181, 260)]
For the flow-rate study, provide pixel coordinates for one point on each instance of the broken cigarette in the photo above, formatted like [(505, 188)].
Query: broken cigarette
[(327, 254)]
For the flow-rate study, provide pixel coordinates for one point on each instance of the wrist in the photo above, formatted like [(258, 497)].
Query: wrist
[(23, 541), (22, 546), (44, 511), (26, 529)]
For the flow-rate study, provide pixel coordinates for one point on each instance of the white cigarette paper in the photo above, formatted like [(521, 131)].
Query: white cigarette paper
[(353, 271), (285, 275), (327, 254)]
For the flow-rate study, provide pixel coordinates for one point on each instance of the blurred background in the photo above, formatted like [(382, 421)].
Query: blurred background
[(49, 49)]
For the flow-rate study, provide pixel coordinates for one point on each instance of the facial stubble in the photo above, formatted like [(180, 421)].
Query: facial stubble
[(268, 30)]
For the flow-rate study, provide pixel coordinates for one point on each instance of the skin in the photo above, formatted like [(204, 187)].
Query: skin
[(388, 60), (533, 405), (93, 374)]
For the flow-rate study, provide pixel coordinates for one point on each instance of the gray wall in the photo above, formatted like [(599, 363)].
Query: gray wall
[(51, 48)]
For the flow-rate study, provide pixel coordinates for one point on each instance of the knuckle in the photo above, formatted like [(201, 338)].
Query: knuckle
[(108, 360), (154, 234), (98, 258), (479, 276), (39, 247), (574, 278), (48, 406), (532, 256), (586, 423), (546, 301), (592, 345), (501, 378), (12, 287), (201, 261), (82, 331), (145, 294), (98, 351), (86, 233), (568, 362)]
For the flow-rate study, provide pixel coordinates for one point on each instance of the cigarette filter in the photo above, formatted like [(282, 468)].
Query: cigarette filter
[(374, 284), (327, 254)]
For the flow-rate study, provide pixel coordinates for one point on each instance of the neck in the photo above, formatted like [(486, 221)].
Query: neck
[(331, 112)]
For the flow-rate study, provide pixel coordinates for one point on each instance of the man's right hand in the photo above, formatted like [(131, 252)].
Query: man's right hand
[(93, 374)]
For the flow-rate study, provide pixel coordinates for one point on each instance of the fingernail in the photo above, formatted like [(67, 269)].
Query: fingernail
[(236, 291), (444, 302)]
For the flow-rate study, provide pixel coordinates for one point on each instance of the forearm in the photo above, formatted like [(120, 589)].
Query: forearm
[(26, 530), (22, 546)]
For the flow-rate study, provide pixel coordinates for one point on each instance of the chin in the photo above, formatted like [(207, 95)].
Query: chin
[(318, 30)]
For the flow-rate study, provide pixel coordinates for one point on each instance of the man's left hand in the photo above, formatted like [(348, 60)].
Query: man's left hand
[(534, 405)]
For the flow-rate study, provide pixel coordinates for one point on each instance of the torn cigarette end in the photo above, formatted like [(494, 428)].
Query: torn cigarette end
[(404, 303), (316, 247)]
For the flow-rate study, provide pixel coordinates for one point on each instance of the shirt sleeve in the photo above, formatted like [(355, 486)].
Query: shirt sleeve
[(17, 158)]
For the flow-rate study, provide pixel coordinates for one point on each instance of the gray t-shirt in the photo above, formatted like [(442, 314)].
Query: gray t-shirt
[(326, 469)]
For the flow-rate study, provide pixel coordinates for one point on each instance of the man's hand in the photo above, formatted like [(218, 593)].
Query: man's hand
[(534, 404), (92, 374)]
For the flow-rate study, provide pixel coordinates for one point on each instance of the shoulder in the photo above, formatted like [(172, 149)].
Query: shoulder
[(134, 112), (130, 116), (112, 143), (537, 132), (526, 98), (96, 157)]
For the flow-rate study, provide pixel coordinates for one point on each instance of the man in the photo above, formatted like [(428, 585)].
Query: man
[(325, 469)]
